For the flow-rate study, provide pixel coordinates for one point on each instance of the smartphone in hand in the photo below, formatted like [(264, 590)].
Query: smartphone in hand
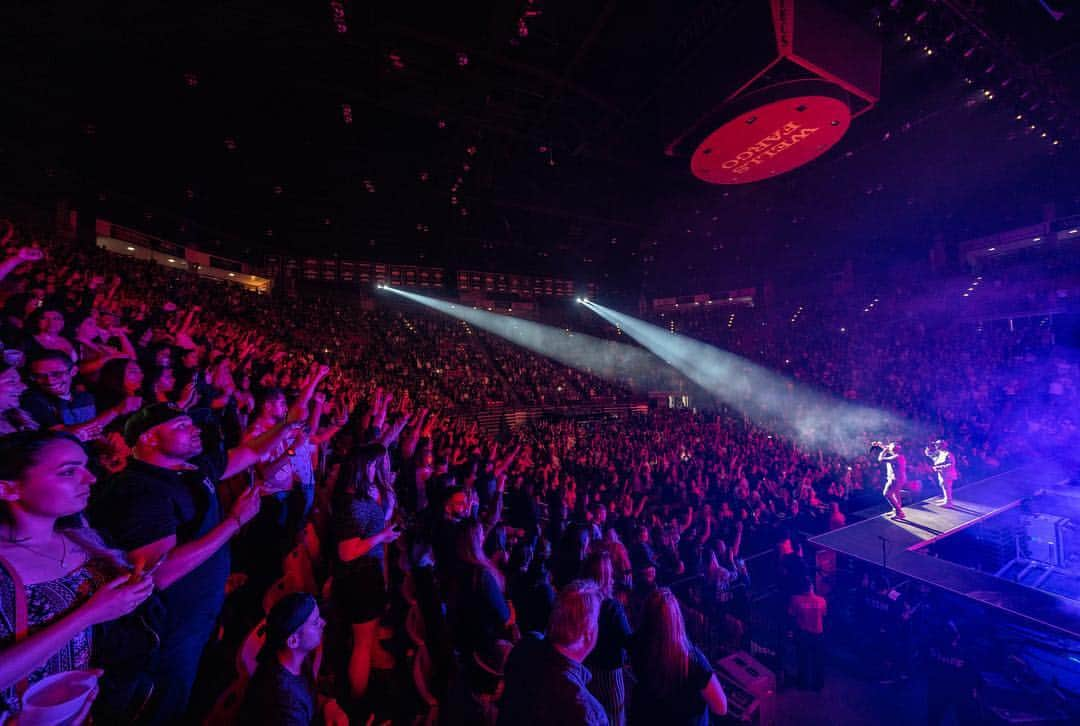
[(142, 571)]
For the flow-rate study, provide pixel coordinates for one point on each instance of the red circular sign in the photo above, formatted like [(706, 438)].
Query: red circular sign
[(771, 139)]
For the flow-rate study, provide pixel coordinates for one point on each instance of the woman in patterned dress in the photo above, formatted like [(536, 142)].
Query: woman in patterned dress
[(69, 577)]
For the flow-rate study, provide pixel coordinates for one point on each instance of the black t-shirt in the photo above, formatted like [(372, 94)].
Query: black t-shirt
[(684, 707), (475, 607), (276, 697), (614, 634), (545, 687), (146, 503), (533, 599)]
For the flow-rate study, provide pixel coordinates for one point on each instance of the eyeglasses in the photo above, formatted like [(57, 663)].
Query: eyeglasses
[(50, 375)]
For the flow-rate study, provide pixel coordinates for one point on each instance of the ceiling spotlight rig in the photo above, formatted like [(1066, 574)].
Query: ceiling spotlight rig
[(337, 16), (976, 51), (784, 109), (531, 12)]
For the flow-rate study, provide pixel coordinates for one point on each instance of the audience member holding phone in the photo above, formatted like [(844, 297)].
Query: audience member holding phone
[(57, 578)]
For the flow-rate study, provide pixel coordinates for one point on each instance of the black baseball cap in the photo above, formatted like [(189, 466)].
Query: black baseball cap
[(286, 617), (148, 417)]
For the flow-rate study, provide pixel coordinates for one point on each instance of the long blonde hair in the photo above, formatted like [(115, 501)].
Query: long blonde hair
[(469, 549), (666, 648), (599, 569)]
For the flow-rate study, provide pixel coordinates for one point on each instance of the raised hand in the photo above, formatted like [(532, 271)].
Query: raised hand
[(246, 505), (389, 534)]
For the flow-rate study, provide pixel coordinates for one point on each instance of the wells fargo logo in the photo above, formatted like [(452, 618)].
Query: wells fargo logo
[(772, 145)]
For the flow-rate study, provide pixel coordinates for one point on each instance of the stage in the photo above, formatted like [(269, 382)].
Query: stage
[(897, 543)]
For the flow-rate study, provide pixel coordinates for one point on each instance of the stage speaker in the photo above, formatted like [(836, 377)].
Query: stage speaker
[(759, 87), (750, 687), (1045, 538)]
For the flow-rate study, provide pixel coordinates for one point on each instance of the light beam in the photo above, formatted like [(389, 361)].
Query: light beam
[(809, 417), (617, 362)]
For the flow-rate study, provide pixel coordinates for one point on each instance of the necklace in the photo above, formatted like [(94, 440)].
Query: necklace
[(32, 550)]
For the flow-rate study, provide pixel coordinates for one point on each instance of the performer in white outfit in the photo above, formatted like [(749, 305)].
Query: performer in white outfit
[(944, 464), (895, 474)]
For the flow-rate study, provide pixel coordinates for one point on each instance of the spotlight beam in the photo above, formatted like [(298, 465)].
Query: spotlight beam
[(810, 417), (617, 362)]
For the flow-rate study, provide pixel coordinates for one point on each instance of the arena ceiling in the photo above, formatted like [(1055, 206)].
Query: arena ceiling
[(521, 135)]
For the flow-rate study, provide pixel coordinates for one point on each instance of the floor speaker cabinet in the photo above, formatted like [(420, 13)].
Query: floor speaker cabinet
[(750, 688)]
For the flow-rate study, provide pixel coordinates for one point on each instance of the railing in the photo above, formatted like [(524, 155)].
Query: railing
[(495, 419), (126, 234), (125, 241)]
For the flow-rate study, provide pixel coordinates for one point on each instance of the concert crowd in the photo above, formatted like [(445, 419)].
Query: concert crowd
[(226, 507)]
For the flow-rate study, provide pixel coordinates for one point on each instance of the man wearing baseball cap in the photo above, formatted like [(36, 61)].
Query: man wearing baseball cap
[(282, 692), (164, 508)]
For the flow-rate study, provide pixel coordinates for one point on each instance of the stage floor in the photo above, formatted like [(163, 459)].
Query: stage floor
[(926, 523)]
